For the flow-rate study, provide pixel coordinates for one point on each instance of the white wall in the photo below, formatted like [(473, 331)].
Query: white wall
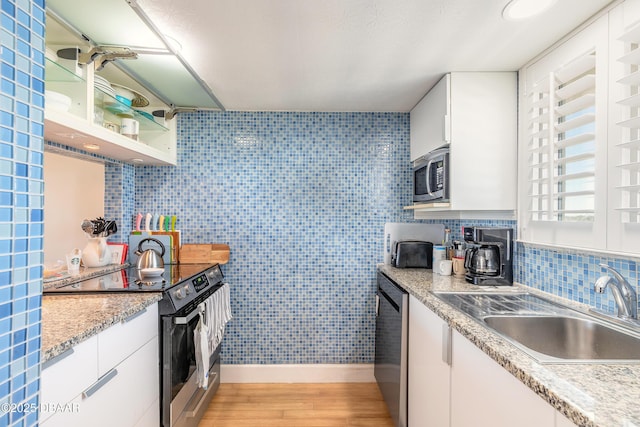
[(73, 191)]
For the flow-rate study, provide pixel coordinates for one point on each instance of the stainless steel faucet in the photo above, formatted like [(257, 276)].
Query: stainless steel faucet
[(623, 293)]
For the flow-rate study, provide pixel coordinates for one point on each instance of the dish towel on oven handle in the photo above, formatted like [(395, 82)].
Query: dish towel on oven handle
[(215, 313), (201, 341)]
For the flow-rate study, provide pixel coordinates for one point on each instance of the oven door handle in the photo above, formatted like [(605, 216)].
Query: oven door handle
[(212, 378), (186, 319)]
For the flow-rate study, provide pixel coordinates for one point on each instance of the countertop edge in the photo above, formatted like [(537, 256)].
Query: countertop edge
[(499, 349)]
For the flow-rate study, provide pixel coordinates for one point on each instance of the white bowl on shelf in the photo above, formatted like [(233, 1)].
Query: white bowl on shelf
[(57, 101)]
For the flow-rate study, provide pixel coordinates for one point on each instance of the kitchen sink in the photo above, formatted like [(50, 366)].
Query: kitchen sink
[(550, 332), (567, 337)]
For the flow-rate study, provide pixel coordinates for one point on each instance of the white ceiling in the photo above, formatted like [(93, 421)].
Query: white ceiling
[(350, 55)]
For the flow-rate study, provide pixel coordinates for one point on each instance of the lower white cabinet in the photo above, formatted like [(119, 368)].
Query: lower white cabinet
[(104, 381), (428, 370), (484, 394), (454, 383)]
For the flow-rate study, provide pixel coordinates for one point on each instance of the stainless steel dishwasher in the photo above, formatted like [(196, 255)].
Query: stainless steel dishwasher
[(392, 305)]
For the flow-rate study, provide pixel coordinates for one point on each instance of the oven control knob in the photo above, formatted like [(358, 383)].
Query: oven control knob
[(179, 294), (187, 290)]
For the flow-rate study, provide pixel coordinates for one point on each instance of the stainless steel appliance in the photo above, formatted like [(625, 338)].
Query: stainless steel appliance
[(391, 358), (431, 176), (489, 256), (183, 288)]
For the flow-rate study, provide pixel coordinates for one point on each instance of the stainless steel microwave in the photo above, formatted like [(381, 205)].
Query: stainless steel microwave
[(431, 176)]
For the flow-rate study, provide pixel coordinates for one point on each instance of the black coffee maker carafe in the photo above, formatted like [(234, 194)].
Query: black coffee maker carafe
[(489, 256)]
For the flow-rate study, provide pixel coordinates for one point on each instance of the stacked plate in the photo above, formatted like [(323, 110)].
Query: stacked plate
[(103, 85)]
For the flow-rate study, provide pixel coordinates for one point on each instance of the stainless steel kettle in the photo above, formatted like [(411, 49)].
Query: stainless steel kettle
[(149, 258)]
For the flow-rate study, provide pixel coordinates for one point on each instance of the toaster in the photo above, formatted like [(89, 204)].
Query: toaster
[(412, 254)]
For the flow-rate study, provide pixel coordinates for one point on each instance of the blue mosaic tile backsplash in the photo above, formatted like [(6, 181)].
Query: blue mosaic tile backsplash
[(21, 205), (301, 198)]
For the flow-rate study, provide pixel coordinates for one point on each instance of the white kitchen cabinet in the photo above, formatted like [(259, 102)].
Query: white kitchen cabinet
[(107, 382), (83, 125), (454, 383), (429, 120), (484, 394), (480, 125), (428, 367)]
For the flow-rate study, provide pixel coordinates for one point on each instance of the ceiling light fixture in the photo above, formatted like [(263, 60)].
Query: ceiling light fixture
[(522, 9), (136, 160), (92, 147)]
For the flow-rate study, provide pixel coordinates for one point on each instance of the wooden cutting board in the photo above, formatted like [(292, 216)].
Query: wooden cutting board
[(201, 253)]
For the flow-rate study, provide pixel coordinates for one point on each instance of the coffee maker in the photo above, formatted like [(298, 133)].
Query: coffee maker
[(489, 256)]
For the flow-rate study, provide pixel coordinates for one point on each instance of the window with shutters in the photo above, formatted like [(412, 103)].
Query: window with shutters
[(563, 143), (624, 152), (579, 138)]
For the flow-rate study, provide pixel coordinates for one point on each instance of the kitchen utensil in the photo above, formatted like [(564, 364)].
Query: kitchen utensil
[(87, 227), (161, 223), (174, 218), (154, 222), (150, 258), (191, 253), (147, 222), (138, 221), (136, 237)]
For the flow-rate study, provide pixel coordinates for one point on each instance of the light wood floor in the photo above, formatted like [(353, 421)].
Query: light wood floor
[(297, 405)]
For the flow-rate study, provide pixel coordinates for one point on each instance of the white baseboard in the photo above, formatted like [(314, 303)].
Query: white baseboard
[(340, 373)]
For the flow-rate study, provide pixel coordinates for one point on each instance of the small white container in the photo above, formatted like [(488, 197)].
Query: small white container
[(439, 254)]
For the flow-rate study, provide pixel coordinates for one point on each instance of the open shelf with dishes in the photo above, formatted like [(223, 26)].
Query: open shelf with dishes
[(104, 112)]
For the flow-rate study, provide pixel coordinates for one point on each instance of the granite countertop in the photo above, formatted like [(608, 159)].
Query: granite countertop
[(70, 319), (589, 394)]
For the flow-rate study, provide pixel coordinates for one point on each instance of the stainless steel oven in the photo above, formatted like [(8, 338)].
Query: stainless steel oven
[(183, 401)]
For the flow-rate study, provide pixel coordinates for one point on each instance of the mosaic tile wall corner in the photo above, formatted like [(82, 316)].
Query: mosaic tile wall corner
[(21, 205)]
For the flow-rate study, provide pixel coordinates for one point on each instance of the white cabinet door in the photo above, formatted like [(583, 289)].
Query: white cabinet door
[(484, 394), (67, 375), (429, 120), (483, 157), (428, 371)]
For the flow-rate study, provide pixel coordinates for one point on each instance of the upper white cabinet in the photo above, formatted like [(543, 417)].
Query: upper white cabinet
[(430, 120), (476, 114)]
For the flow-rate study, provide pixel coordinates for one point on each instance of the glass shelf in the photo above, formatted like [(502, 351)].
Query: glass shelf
[(58, 73), (116, 110)]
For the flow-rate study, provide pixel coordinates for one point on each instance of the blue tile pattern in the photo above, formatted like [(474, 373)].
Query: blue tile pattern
[(302, 199), (21, 206)]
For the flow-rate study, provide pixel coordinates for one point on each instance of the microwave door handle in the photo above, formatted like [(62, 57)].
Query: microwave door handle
[(428, 176)]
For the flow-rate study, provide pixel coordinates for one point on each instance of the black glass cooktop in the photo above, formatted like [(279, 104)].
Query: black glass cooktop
[(131, 280)]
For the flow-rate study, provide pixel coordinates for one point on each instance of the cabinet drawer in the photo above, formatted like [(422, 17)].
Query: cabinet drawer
[(67, 375), (123, 400), (122, 339)]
